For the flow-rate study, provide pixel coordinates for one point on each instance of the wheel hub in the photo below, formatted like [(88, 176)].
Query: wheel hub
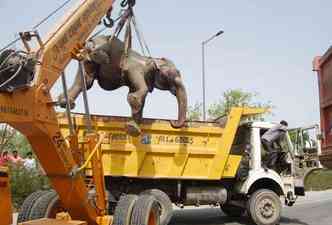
[(266, 208)]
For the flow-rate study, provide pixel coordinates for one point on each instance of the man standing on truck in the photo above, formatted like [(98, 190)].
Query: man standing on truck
[(269, 138)]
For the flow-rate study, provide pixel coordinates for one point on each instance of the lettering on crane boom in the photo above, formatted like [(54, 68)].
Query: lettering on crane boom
[(73, 34), (13, 110), (61, 147)]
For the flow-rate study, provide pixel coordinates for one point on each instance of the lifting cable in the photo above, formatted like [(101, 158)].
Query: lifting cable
[(39, 24), (85, 97), (128, 17), (68, 111), (104, 28), (140, 37)]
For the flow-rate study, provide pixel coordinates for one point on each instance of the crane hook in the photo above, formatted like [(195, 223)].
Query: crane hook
[(108, 21), (129, 3)]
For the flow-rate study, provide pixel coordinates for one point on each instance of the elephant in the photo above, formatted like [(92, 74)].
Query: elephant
[(112, 66)]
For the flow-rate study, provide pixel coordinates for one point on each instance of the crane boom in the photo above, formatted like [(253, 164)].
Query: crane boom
[(30, 111)]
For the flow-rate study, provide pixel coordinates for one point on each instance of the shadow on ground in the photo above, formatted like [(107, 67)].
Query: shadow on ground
[(292, 221), (214, 216), (205, 217)]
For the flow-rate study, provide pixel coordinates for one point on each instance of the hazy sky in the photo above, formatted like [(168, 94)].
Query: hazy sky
[(268, 47)]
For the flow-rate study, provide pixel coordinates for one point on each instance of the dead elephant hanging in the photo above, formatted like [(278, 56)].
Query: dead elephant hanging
[(141, 74)]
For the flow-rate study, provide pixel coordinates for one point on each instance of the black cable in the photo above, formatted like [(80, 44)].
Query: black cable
[(104, 28), (51, 14), (38, 24), (10, 44)]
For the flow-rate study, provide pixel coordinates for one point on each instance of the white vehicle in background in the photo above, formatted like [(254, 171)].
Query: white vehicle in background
[(307, 146)]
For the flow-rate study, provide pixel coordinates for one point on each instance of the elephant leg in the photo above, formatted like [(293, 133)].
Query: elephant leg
[(136, 99), (140, 113), (133, 128)]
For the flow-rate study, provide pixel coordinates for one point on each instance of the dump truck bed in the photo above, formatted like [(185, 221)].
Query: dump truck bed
[(323, 66), (202, 150)]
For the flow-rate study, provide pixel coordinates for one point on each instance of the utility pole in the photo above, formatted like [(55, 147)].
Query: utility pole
[(203, 70)]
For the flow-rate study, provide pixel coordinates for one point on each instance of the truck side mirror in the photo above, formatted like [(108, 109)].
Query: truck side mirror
[(320, 137)]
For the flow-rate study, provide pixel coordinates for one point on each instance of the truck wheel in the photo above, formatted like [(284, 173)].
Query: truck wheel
[(146, 211), (47, 206), (232, 210), (124, 209), (264, 207), (25, 208), (165, 203)]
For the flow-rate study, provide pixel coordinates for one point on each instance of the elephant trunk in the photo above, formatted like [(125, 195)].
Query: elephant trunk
[(181, 97)]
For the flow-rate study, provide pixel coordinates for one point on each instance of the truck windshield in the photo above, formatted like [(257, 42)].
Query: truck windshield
[(285, 143), (242, 139)]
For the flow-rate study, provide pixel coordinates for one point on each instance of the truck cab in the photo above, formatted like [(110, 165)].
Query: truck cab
[(256, 190), (282, 179)]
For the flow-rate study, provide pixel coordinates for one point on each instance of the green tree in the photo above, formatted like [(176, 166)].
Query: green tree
[(230, 98), (194, 112), (23, 181), (235, 98), (6, 135), (11, 139)]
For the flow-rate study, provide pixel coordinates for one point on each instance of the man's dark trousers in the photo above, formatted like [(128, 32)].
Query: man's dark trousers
[(272, 154)]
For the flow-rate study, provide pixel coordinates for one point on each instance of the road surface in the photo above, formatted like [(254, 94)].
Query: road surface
[(314, 209)]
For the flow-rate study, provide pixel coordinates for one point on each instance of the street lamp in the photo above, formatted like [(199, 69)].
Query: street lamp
[(203, 69)]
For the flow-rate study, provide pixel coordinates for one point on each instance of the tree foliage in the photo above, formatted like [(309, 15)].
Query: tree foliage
[(23, 181), (11, 139), (230, 98), (195, 112)]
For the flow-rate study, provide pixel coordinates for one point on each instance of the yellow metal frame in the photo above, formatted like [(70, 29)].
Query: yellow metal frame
[(201, 151)]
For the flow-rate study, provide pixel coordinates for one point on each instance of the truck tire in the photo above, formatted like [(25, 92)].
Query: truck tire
[(124, 209), (165, 203), (146, 211), (232, 210), (47, 206), (264, 207), (27, 204)]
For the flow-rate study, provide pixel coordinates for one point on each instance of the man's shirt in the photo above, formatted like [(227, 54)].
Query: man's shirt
[(274, 133), (30, 163), (16, 160)]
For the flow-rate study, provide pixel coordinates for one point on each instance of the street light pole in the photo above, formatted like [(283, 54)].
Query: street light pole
[(203, 70), (203, 80)]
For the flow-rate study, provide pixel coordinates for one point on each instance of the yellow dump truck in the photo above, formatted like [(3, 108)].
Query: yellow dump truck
[(206, 163)]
